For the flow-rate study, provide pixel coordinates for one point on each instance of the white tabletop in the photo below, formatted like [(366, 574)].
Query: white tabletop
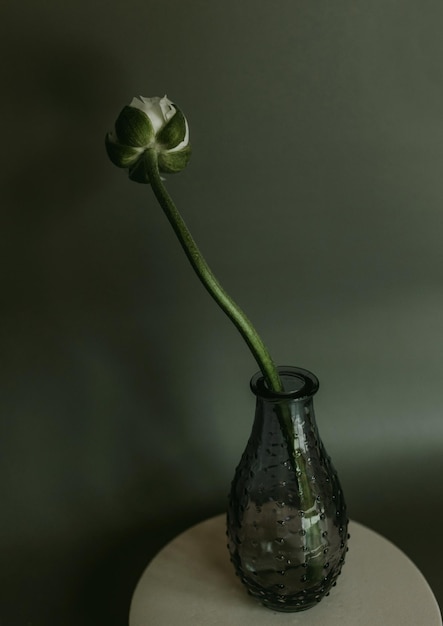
[(191, 582)]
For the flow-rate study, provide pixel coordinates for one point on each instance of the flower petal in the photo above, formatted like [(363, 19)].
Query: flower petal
[(138, 171), (157, 109), (174, 132), (172, 162), (134, 128), (121, 156)]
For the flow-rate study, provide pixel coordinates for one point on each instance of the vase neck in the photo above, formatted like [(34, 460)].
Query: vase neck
[(300, 409), (286, 418), (297, 383)]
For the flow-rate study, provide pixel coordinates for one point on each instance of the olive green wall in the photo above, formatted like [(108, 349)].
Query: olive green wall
[(315, 190)]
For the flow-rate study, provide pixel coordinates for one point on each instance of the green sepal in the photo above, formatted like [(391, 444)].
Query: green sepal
[(121, 156), (173, 132), (134, 128), (172, 162), (139, 171)]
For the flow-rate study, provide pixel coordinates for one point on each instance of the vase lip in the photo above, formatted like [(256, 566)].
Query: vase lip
[(308, 384)]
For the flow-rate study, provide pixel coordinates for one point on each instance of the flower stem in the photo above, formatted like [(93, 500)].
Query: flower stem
[(240, 320), (253, 340), (232, 310)]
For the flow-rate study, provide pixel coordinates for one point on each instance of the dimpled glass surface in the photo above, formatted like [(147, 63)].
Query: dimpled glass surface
[(287, 522)]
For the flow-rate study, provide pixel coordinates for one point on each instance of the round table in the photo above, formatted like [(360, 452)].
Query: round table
[(191, 582)]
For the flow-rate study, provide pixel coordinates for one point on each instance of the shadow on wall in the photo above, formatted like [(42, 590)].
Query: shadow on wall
[(82, 479), (59, 93)]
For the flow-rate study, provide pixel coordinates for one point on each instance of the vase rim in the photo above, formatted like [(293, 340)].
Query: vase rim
[(308, 384)]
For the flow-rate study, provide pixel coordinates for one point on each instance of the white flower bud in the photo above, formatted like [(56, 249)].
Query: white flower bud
[(149, 124)]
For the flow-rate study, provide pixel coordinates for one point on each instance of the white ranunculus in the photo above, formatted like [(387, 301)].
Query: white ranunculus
[(149, 124)]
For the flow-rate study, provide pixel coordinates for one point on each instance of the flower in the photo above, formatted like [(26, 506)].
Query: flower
[(151, 135), (149, 124)]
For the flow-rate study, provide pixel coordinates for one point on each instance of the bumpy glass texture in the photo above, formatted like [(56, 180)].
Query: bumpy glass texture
[(287, 522)]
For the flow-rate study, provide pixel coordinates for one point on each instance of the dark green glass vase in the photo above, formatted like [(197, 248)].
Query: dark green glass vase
[(287, 521)]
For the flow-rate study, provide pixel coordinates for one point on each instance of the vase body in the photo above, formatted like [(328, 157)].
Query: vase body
[(287, 521)]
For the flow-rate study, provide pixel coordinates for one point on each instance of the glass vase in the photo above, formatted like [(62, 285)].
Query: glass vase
[(287, 521)]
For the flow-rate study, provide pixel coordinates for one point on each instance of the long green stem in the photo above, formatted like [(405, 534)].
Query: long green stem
[(243, 324), (208, 279)]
